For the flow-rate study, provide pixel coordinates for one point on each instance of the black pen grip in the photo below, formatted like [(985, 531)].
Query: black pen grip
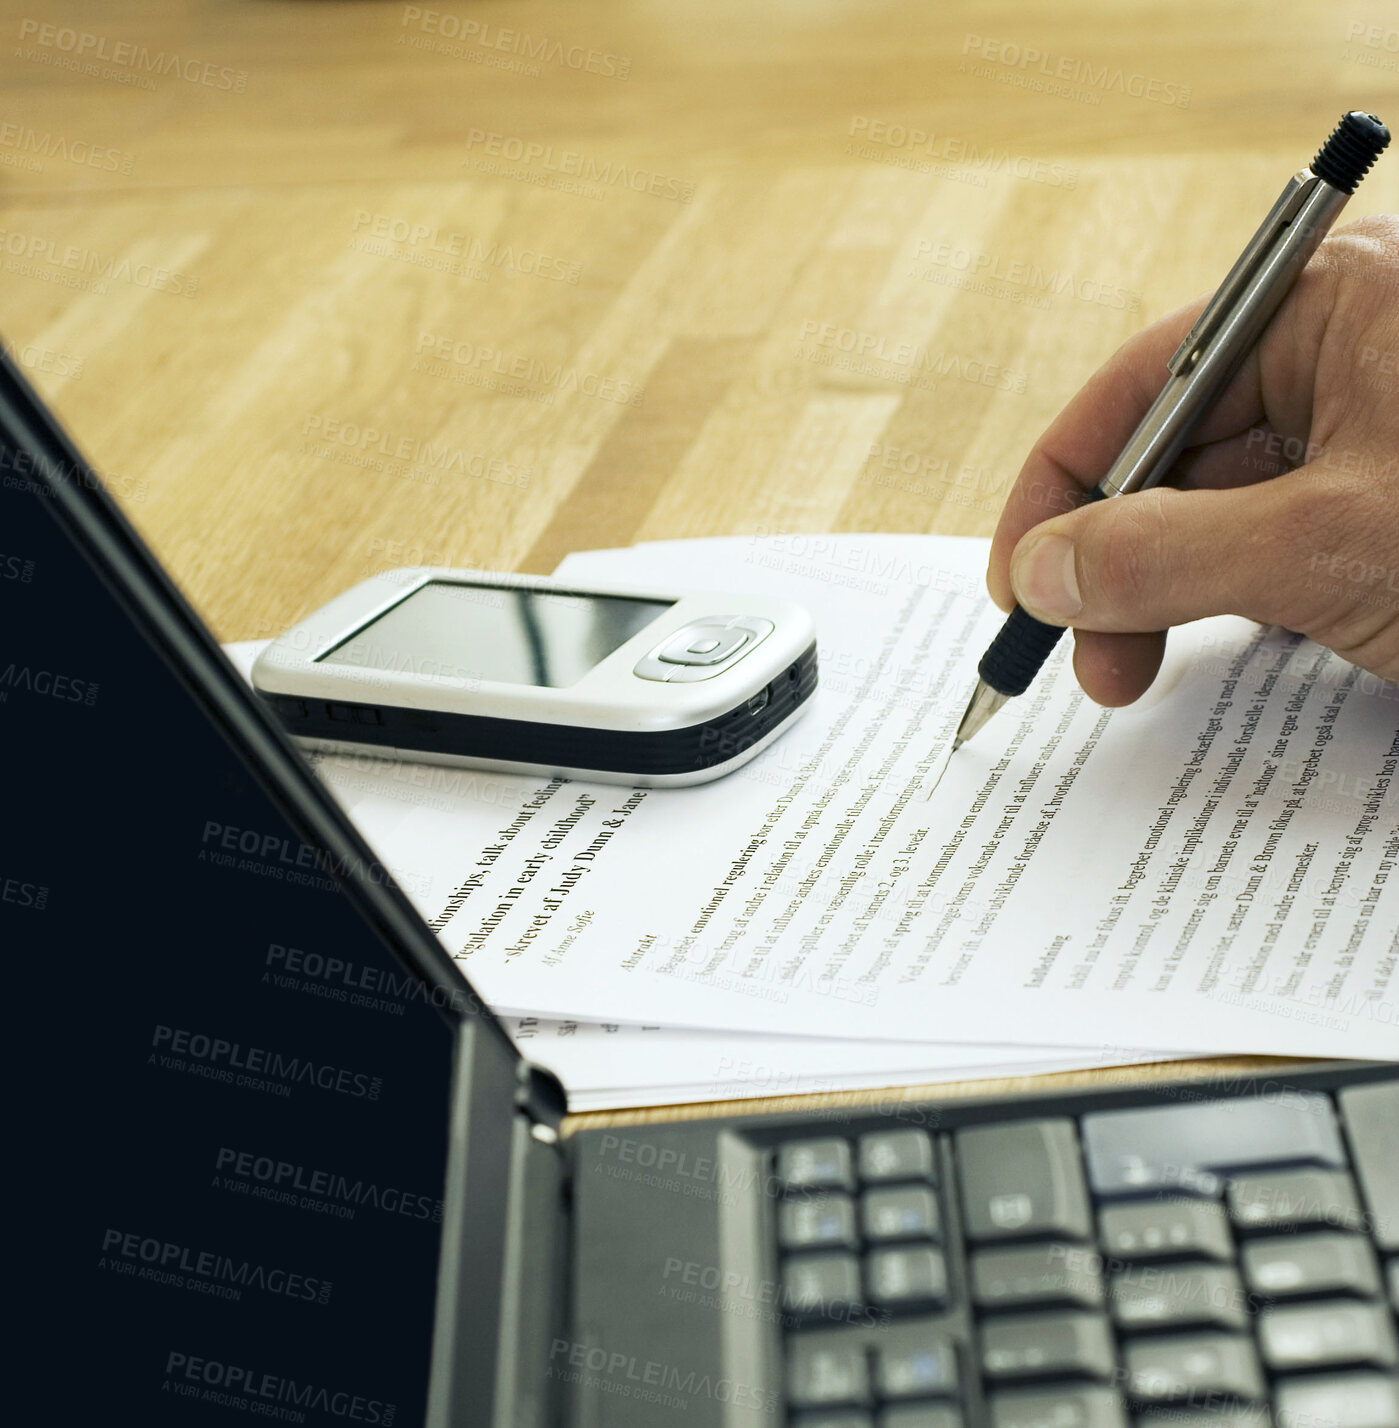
[(1019, 651), (1016, 655)]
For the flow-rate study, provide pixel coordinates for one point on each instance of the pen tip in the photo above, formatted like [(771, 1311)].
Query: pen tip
[(985, 701)]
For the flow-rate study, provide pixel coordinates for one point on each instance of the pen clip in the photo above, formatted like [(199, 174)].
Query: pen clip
[(1298, 190)]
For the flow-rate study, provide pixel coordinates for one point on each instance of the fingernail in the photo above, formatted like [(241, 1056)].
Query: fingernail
[(1043, 577)]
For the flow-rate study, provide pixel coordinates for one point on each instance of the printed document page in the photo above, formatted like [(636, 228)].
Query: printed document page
[(625, 1064), (1207, 870)]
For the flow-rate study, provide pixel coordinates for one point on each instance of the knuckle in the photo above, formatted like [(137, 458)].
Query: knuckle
[(1369, 246)]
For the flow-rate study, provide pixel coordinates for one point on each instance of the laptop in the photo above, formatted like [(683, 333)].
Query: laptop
[(285, 1166)]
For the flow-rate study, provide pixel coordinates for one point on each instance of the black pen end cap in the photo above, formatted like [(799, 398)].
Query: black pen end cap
[(1345, 158)]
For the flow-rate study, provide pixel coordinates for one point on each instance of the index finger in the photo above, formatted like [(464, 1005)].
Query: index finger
[(1083, 441)]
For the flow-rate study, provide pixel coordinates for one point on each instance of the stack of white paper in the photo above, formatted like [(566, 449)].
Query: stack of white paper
[(1208, 870), (606, 1066)]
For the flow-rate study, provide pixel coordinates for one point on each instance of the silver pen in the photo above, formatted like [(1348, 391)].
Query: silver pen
[(1211, 354)]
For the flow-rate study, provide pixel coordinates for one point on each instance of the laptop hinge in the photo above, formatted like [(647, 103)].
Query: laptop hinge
[(533, 1295), (529, 1388), (502, 1269), (541, 1096)]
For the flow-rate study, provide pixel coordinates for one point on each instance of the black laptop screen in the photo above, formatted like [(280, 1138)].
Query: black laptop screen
[(242, 1094)]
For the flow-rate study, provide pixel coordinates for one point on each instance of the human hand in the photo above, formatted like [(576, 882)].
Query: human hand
[(1284, 508)]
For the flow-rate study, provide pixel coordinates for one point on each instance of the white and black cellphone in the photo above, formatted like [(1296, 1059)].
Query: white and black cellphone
[(524, 674)]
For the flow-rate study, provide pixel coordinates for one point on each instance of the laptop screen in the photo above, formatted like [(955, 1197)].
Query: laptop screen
[(243, 1093)]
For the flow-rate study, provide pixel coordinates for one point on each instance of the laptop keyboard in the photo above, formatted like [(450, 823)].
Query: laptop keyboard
[(1230, 1262)]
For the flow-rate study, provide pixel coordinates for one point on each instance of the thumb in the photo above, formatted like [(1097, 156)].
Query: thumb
[(1163, 557)]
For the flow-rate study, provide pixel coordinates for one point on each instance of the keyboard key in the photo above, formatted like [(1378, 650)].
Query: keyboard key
[(820, 1222), (1371, 1114), (1290, 1266), (1058, 1408), (1178, 1296), (1047, 1345), (1184, 1148), (820, 1284), (928, 1371), (1067, 1276), (827, 1375), (1327, 1335), (1191, 1366), (816, 1165), (839, 1419), (1393, 1275), (920, 1415), (1197, 1229), (1023, 1180), (912, 1275), (908, 1213), (1339, 1401), (1295, 1199), (896, 1155)]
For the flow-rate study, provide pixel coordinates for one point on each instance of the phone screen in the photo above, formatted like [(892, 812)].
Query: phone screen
[(448, 631)]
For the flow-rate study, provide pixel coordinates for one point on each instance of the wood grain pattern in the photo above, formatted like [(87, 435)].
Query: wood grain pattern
[(333, 287)]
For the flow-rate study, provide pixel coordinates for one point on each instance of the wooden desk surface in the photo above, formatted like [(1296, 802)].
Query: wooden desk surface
[(334, 287)]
